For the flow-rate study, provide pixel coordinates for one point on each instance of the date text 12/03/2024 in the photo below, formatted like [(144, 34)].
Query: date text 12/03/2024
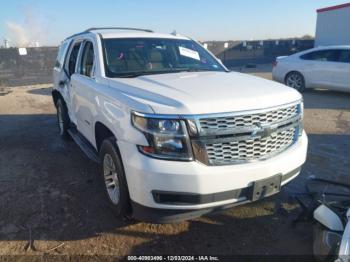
[(173, 258)]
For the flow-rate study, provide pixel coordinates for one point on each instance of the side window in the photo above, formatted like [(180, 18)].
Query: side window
[(344, 56), (61, 54), (73, 58), (87, 60), (324, 55)]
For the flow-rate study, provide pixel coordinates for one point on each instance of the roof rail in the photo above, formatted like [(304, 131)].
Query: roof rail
[(117, 28), (109, 28), (74, 35)]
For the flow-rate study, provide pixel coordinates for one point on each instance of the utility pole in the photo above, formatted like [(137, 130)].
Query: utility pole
[(6, 43)]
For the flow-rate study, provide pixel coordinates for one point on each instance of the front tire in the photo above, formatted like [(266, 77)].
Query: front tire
[(295, 80), (113, 178), (322, 249)]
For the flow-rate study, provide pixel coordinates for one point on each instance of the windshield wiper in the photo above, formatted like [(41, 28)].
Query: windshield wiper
[(134, 74), (198, 69), (141, 73), (193, 69)]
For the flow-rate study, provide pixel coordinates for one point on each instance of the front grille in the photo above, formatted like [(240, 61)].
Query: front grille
[(249, 136), (250, 149), (248, 120)]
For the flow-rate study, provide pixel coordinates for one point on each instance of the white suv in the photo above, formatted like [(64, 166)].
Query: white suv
[(176, 133)]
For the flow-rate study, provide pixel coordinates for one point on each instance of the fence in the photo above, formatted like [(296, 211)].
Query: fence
[(33, 68), (256, 52), (36, 66)]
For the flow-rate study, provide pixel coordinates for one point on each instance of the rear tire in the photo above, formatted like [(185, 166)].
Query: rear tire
[(62, 118), (295, 80), (113, 179)]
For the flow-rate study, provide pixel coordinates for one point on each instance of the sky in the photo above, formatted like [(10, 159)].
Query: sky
[(50, 21)]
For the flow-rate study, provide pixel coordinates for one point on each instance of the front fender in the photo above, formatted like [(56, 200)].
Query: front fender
[(115, 114)]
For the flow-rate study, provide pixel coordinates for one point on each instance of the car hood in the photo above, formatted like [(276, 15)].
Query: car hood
[(204, 92)]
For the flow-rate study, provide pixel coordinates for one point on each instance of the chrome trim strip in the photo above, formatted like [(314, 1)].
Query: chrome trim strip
[(247, 129), (210, 140), (225, 114)]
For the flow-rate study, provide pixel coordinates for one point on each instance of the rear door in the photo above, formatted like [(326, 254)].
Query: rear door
[(70, 69), (320, 67), (59, 74), (342, 78)]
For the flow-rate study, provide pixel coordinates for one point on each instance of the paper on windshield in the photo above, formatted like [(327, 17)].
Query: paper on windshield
[(189, 53)]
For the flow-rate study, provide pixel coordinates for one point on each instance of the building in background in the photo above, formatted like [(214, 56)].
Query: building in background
[(333, 25)]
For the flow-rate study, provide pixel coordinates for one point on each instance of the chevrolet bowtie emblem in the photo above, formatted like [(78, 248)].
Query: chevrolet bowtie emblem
[(263, 131)]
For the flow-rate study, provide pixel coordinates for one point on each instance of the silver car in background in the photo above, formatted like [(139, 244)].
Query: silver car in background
[(321, 67)]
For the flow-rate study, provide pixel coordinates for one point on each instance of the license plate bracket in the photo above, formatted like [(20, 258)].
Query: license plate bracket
[(266, 187)]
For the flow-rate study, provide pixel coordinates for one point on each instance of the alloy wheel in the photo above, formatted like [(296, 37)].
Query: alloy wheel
[(111, 179), (295, 81)]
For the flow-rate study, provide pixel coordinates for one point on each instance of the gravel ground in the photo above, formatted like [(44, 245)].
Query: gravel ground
[(50, 202)]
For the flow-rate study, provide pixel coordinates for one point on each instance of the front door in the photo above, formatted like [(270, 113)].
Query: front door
[(83, 91)]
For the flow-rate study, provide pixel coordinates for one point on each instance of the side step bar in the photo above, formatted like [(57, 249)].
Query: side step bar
[(84, 145)]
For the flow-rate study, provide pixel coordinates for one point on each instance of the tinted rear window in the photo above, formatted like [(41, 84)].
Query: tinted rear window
[(344, 56), (324, 55)]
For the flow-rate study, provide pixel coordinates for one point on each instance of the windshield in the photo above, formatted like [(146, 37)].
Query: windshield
[(131, 57)]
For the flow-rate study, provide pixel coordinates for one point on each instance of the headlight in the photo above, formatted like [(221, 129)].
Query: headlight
[(167, 138)]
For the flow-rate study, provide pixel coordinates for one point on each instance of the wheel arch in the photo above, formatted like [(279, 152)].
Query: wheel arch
[(101, 133), (293, 71), (55, 96)]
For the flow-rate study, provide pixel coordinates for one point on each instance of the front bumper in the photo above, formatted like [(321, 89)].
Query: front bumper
[(159, 215), (147, 175)]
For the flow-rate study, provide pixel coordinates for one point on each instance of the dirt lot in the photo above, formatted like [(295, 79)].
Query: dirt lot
[(49, 192)]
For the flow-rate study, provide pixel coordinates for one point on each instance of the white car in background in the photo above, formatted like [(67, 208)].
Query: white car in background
[(321, 67)]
